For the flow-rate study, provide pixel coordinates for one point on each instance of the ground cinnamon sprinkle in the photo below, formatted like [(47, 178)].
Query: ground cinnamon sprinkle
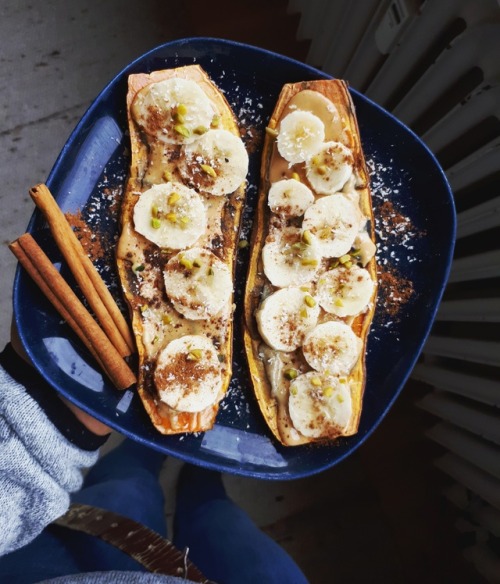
[(391, 218), (114, 195), (394, 291), (252, 138), (395, 240), (92, 225), (393, 222), (89, 239)]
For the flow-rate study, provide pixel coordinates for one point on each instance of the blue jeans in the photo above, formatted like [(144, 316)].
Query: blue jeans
[(222, 540)]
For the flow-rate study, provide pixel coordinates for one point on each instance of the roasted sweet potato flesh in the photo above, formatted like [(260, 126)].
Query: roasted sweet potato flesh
[(274, 410)]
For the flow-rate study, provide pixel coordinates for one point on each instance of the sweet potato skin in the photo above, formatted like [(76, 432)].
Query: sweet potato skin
[(164, 419), (337, 91)]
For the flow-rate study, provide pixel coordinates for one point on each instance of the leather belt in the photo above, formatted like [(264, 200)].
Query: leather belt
[(147, 547)]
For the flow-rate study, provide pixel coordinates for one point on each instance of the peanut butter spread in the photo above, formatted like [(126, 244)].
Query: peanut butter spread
[(312, 275), (176, 252)]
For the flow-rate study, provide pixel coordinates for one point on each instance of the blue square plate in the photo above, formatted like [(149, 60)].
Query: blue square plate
[(415, 229)]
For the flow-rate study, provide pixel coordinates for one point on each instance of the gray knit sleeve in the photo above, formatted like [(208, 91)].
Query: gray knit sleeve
[(38, 467), (117, 578)]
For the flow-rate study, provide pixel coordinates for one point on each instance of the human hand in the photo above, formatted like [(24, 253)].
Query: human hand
[(95, 426)]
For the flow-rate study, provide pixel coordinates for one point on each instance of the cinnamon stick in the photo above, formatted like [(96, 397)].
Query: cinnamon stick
[(67, 303), (93, 287), (25, 261)]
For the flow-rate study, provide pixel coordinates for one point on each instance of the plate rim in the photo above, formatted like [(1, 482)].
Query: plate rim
[(447, 259)]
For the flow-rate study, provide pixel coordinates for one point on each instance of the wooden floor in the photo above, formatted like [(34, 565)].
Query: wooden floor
[(376, 517), (379, 515)]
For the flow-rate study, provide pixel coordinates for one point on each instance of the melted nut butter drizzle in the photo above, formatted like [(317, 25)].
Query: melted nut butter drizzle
[(326, 111), (276, 362), (161, 323)]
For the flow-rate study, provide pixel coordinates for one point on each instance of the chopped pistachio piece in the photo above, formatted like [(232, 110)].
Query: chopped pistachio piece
[(328, 391), (290, 373), (309, 262), (186, 263), (182, 130), (138, 268), (194, 355), (242, 243), (155, 223), (181, 109), (208, 170), (174, 198), (199, 130), (166, 319), (307, 237), (309, 300), (316, 381)]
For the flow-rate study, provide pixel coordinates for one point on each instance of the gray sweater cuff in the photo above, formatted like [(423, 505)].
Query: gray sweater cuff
[(39, 467), (49, 401)]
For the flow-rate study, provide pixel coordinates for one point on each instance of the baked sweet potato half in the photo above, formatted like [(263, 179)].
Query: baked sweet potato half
[(180, 221), (311, 287)]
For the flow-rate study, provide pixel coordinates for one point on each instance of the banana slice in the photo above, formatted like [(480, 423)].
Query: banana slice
[(290, 198), (296, 242), (332, 346), (365, 245), (285, 316), (170, 215), (198, 283), (335, 221), (188, 374), (330, 168), (345, 291), (320, 406), (289, 260), (217, 163), (301, 134), (174, 111)]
